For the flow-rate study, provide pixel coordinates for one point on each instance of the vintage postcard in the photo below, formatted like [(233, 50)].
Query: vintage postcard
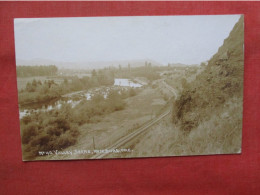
[(132, 86)]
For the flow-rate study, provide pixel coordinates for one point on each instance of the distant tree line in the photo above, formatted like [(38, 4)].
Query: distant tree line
[(28, 71), (147, 71)]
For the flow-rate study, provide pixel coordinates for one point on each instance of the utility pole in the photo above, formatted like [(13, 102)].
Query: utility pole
[(94, 147)]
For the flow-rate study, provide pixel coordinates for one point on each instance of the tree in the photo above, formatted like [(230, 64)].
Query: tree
[(29, 87), (132, 92), (97, 98), (115, 101), (65, 81), (203, 64), (184, 83), (94, 73)]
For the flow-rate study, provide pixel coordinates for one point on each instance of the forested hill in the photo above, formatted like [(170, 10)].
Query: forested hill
[(219, 83)]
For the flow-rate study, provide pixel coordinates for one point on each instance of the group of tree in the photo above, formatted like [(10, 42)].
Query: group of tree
[(98, 78), (88, 111), (36, 91), (29, 71), (147, 71), (48, 131)]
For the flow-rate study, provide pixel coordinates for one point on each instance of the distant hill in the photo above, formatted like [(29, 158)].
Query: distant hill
[(87, 65), (181, 64)]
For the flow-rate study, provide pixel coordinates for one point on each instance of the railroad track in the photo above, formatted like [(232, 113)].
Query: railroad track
[(132, 135), (170, 89)]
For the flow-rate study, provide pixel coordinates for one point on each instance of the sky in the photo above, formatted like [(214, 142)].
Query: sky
[(165, 39)]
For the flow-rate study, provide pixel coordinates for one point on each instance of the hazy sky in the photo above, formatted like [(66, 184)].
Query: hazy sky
[(166, 39)]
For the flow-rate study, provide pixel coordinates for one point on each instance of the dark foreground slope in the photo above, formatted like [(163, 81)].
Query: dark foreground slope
[(210, 108)]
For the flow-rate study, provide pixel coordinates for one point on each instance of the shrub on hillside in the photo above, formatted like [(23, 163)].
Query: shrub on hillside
[(132, 92), (47, 131)]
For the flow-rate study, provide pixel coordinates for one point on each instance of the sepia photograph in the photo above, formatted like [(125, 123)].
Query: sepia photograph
[(129, 86)]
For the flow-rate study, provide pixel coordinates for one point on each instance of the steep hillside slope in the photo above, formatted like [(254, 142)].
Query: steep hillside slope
[(210, 108), (221, 80)]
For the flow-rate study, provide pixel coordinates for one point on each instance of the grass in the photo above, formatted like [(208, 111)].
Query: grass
[(222, 131), (221, 134)]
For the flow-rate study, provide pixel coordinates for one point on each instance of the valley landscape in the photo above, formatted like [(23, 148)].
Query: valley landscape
[(133, 108)]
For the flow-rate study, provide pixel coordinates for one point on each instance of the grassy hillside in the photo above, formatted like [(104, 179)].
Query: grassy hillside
[(209, 110)]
